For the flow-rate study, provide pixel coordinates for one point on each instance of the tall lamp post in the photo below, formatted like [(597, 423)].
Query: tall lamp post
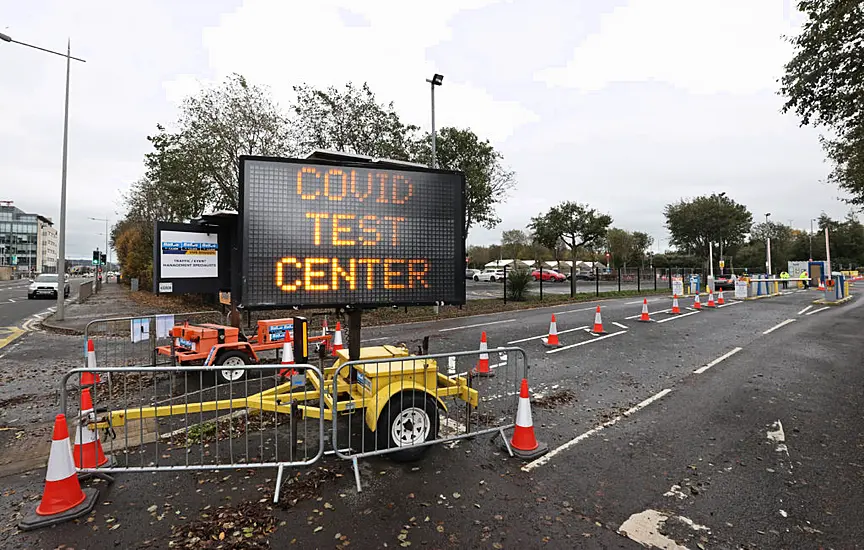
[(767, 245), (61, 260), (811, 238), (436, 80)]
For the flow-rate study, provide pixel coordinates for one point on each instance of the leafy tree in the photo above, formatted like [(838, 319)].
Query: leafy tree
[(214, 128), (350, 120), (711, 218), (487, 180), (515, 241), (626, 247), (824, 84), (574, 224)]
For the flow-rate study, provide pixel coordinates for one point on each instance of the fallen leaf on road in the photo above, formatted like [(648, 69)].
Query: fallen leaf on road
[(318, 529)]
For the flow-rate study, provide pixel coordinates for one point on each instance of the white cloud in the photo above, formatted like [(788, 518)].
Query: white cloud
[(702, 46), (282, 44)]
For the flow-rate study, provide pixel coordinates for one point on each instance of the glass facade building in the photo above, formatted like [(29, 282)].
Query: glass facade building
[(19, 238)]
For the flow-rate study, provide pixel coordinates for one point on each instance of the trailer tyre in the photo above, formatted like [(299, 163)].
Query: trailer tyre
[(232, 359), (409, 418)]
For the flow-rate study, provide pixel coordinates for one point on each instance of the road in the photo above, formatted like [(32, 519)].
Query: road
[(739, 427), (15, 308)]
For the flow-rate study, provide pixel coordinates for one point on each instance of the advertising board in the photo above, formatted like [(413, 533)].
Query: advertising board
[(188, 255), (320, 233)]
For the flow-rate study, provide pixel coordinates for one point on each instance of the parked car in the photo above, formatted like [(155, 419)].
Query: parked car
[(490, 275), (470, 273), (46, 285), (724, 282), (583, 276), (549, 275)]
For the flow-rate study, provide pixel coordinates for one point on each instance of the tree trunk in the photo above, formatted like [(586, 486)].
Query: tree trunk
[(573, 272)]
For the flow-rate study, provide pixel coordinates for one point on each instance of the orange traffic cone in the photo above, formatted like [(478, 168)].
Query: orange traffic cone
[(63, 499), (821, 285), (645, 317), (598, 323), (697, 304), (337, 338), (324, 327), (552, 339), (710, 299), (482, 368), (287, 358), (720, 300), (524, 443), (88, 449), (89, 378), (675, 309)]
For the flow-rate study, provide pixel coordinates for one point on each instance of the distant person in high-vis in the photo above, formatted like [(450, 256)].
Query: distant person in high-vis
[(805, 279), (785, 277)]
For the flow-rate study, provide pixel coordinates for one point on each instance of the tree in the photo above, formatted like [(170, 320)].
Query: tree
[(350, 120), (824, 84), (214, 128), (515, 241), (707, 219), (574, 224), (487, 180)]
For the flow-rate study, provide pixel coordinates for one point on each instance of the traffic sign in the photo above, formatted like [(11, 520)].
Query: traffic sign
[(722, 264)]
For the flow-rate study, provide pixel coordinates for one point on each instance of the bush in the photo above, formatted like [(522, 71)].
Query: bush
[(517, 284)]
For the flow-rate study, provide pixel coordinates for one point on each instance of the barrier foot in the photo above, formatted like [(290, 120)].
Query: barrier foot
[(506, 443), (278, 484), (357, 474), (84, 476)]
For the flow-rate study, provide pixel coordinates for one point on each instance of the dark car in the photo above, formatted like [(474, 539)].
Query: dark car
[(724, 282), (586, 276)]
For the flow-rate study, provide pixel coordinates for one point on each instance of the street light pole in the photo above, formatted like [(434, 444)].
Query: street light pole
[(436, 80), (811, 238), (61, 260), (767, 245)]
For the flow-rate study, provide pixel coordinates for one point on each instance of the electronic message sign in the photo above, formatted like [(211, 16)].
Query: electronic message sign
[(317, 233)]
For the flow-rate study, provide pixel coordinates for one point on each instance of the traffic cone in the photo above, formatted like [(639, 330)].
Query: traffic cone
[(88, 449), (645, 317), (324, 327), (598, 323), (287, 358), (89, 378), (710, 299), (482, 367), (821, 285), (62, 499), (675, 309), (720, 300), (552, 339), (524, 443), (697, 304), (337, 338)]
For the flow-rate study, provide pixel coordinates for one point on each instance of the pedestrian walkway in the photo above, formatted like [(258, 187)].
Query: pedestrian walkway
[(112, 300)]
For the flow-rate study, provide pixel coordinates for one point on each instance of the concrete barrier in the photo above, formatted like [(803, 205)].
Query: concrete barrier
[(85, 290)]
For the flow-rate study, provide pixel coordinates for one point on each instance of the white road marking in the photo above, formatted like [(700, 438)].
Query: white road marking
[(551, 454), (666, 320), (723, 357), (375, 339), (556, 350), (729, 303), (641, 302), (804, 310), (619, 325), (594, 308), (818, 310), (649, 313), (779, 325), (477, 325), (560, 332)]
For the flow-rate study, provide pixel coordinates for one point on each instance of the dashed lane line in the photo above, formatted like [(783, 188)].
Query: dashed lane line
[(779, 325), (818, 310), (723, 357), (619, 325), (556, 350), (545, 335), (650, 313), (551, 454), (803, 311), (727, 304), (677, 317)]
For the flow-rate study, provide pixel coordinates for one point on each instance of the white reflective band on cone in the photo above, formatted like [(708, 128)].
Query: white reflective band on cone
[(60, 463), (91, 360), (85, 435), (523, 413)]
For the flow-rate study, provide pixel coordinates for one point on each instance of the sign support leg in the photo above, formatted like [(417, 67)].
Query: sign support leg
[(354, 316)]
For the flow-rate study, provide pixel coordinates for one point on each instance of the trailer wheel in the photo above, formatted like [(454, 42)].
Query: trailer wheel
[(410, 418), (232, 359)]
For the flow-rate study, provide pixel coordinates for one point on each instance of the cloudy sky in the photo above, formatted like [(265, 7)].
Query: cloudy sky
[(626, 107)]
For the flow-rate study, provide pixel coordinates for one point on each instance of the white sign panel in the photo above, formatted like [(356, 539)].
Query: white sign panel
[(166, 287), (741, 289), (677, 286), (188, 255)]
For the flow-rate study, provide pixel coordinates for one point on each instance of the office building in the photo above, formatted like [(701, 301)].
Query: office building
[(20, 239)]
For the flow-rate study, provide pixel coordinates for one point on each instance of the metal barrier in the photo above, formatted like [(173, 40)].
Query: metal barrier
[(176, 419), (132, 341), (409, 403)]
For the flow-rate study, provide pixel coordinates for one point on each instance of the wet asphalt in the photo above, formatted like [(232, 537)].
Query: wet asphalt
[(693, 448)]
